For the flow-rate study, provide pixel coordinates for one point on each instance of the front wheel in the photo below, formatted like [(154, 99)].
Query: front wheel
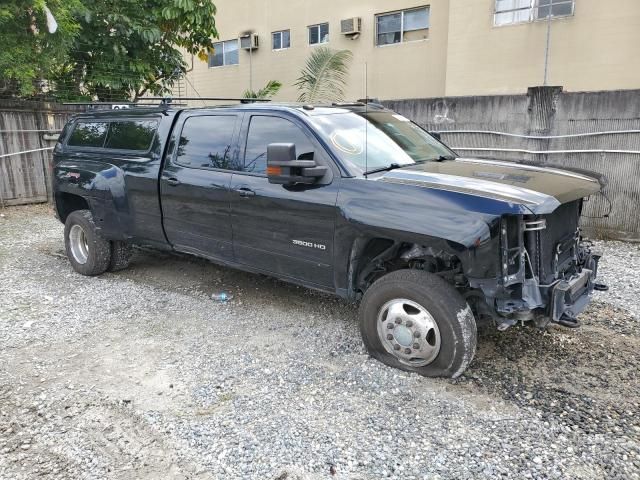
[(415, 321)]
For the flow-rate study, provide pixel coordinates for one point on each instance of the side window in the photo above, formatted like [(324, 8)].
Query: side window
[(88, 134), (265, 130), (206, 141), (131, 134)]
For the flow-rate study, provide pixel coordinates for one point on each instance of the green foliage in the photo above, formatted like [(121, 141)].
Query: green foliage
[(269, 90), (324, 76), (127, 48), (104, 49), (28, 51)]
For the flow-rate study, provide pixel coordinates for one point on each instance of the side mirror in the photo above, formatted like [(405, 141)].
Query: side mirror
[(284, 168)]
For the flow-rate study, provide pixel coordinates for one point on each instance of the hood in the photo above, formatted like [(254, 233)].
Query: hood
[(540, 189)]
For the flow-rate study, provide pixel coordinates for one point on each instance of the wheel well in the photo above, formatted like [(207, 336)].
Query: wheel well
[(67, 203), (382, 255)]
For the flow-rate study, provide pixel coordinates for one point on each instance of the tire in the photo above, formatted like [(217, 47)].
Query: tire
[(87, 251), (434, 331), (121, 253)]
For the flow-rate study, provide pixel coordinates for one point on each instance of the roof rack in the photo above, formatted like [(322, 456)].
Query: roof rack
[(216, 99), (165, 102)]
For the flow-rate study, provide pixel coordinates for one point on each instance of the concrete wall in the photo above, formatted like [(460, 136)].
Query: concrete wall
[(550, 112), (465, 54)]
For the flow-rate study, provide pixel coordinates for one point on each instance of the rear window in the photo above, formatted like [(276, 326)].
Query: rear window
[(121, 135), (89, 134)]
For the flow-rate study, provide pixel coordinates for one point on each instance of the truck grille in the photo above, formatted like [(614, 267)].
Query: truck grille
[(552, 248)]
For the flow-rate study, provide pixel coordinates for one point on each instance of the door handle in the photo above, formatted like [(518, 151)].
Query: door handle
[(173, 181), (245, 192)]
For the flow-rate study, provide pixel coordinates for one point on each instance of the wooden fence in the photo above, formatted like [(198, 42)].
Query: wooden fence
[(28, 127)]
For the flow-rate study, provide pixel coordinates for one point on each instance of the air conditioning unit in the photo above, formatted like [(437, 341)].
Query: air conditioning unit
[(249, 42), (350, 26)]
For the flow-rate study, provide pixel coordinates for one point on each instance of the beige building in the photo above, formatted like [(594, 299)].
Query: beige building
[(422, 48)]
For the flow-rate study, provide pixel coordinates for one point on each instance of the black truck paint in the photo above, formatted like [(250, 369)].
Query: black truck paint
[(505, 235)]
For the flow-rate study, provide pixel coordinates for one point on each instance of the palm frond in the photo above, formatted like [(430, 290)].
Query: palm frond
[(324, 76), (269, 90)]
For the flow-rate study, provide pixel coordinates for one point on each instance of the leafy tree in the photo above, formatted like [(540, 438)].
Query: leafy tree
[(269, 90), (29, 51), (126, 48), (324, 76), (105, 49)]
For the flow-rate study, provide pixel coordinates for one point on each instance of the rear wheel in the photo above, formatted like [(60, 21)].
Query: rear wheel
[(415, 321), (88, 253), (121, 253)]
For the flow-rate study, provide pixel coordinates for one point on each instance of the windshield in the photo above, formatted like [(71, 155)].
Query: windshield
[(387, 139)]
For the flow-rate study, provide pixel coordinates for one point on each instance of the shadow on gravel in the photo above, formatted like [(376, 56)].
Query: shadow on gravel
[(586, 378)]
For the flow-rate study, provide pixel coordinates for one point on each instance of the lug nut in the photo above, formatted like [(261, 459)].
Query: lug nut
[(398, 321), (409, 323), (416, 334), (396, 347), (389, 337), (416, 346), (390, 326), (407, 351)]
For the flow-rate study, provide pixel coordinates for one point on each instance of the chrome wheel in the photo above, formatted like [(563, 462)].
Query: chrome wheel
[(408, 332), (78, 244)]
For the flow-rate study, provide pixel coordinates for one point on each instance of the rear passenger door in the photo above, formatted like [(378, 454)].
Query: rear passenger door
[(286, 230), (194, 185)]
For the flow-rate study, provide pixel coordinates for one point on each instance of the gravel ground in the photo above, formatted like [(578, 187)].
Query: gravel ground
[(141, 375)]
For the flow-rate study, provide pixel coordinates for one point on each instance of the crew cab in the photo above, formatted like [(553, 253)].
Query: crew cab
[(350, 199)]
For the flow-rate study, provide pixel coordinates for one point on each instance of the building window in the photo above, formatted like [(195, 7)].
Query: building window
[(519, 11), (402, 26), (557, 8), (281, 39), (318, 33), (224, 53)]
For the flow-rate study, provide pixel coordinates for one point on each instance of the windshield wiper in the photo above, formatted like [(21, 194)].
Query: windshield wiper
[(441, 158), (391, 166)]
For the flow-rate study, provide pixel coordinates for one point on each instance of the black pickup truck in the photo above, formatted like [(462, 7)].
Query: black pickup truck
[(354, 200)]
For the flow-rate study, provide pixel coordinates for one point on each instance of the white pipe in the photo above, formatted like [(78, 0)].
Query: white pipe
[(30, 131), (25, 151), (542, 152), (539, 137)]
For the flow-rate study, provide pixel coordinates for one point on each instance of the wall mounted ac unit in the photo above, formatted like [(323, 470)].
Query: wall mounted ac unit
[(350, 26), (249, 42)]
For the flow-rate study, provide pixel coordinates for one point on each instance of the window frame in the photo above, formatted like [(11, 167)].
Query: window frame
[(280, 32), (402, 31), (533, 12), (224, 53), (321, 156), (319, 42), (108, 121), (234, 140)]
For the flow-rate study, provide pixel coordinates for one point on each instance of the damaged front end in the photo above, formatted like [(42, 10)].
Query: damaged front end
[(547, 272)]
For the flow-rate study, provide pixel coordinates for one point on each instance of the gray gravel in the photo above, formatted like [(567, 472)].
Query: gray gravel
[(140, 374)]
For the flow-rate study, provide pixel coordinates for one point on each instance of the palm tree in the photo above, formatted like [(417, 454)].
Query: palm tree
[(325, 75), (269, 90)]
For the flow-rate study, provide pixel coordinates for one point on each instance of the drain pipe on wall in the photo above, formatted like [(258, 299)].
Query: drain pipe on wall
[(547, 46)]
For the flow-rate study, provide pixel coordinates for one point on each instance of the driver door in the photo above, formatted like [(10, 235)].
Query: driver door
[(285, 230)]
